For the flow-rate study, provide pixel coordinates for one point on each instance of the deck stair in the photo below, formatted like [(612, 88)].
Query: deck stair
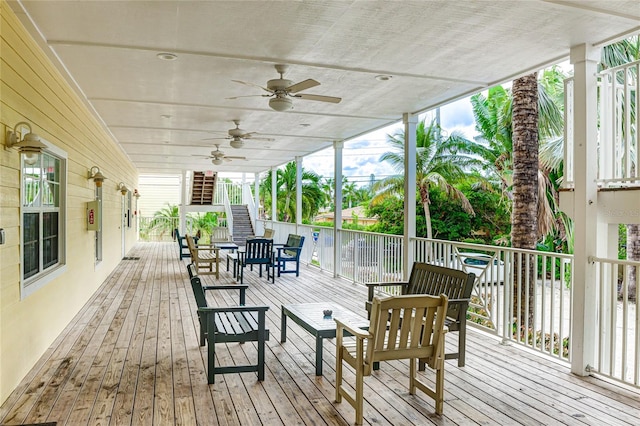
[(203, 187), (242, 227)]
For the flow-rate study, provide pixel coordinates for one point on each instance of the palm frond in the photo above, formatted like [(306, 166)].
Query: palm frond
[(552, 154)]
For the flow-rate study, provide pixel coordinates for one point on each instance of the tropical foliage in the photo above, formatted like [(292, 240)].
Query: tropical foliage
[(166, 219), (440, 162), (313, 196)]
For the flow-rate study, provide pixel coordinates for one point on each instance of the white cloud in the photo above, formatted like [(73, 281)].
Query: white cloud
[(361, 156)]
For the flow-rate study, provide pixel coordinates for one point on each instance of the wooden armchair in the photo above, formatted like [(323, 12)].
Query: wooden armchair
[(220, 234), (202, 301), (268, 234), (205, 258), (420, 335), (183, 249), (230, 324), (256, 252), (290, 252), (433, 280)]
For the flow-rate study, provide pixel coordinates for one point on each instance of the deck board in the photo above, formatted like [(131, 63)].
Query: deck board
[(131, 356)]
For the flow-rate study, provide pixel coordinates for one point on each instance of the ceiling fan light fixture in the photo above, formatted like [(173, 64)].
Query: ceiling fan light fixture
[(236, 143), (217, 161), (280, 104)]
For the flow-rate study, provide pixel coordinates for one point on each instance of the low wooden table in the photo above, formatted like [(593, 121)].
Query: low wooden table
[(310, 317), (232, 247)]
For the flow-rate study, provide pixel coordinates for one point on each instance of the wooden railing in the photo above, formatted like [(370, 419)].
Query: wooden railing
[(618, 139), (541, 284), (546, 277), (617, 321)]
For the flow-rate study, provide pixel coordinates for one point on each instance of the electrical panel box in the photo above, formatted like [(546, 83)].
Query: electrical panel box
[(93, 215)]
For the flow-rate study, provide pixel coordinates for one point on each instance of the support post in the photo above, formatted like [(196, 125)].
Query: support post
[(298, 192), (337, 202), (274, 194), (256, 196), (410, 122), (585, 147), (183, 206)]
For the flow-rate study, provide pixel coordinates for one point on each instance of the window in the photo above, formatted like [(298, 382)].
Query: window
[(43, 195)]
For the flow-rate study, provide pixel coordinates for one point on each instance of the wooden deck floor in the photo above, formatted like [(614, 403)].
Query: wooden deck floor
[(131, 356)]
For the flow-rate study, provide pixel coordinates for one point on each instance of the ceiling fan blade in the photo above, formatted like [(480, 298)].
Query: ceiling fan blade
[(216, 139), (261, 139), (320, 98), (229, 158), (253, 85), (303, 85), (249, 96), (249, 135)]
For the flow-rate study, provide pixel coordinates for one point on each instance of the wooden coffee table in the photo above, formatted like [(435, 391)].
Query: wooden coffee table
[(310, 317)]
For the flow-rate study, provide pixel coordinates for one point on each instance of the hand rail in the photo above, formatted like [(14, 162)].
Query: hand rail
[(227, 210)]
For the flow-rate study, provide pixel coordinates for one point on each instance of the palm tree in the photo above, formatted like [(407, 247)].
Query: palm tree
[(327, 188), (313, 196), (203, 222), (524, 217), (438, 165), (165, 220), (349, 191), (494, 121)]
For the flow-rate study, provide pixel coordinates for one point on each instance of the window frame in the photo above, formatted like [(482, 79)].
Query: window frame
[(33, 283)]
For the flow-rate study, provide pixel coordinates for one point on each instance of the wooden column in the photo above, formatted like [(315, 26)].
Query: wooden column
[(183, 205), (298, 192), (274, 194), (585, 147), (337, 202), (256, 197), (410, 121)]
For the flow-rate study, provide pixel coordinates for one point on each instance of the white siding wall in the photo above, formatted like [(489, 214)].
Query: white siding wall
[(156, 191), (33, 90)]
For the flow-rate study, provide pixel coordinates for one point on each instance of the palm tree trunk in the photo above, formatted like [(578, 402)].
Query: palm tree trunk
[(424, 198), (633, 253), (524, 226), (427, 219)]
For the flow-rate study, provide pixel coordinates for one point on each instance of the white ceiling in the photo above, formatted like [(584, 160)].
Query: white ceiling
[(435, 51)]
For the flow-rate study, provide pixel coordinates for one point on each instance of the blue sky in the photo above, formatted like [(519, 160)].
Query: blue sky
[(361, 156)]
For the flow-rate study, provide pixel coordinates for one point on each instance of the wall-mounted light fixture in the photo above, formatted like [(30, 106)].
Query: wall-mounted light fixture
[(25, 142), (136, 193), (96, 175), (123, 188)]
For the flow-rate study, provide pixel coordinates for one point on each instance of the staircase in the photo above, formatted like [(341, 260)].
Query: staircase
[(242, 227), (203, 188)]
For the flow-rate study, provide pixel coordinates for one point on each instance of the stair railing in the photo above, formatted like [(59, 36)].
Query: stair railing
[(227, 210), (247, 198)]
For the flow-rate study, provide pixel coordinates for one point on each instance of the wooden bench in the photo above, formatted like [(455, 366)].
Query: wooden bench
[(205, 257), (434, 280), (183, 249), (290, 252), (230, 324)]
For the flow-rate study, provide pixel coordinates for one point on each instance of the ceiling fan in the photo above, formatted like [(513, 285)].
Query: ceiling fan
[(282, 90), (217, 156), (237, 136)]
